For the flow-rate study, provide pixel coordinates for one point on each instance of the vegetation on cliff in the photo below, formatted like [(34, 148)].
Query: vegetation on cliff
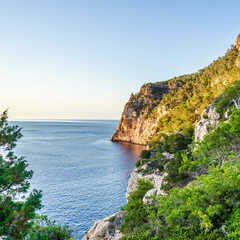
[(201, 182), (196, 92), (176, 104), (208, 208)]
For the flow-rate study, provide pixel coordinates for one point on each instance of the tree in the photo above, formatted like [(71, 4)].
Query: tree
[(17, 211)]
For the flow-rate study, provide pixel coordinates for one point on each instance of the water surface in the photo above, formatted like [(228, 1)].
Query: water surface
[(82, 174)]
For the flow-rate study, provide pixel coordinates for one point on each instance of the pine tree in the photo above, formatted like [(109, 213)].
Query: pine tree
[(17, 211)]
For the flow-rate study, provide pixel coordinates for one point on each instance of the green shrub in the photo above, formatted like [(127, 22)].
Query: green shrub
[(233, 224), (44, 229), (111, 219), (145, 154), (225, 100)]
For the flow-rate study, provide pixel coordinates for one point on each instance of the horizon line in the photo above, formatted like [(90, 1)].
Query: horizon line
[(61, 120)]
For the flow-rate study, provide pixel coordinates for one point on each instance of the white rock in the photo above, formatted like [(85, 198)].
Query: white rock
[(153, 177), (107, 228), (202, 127), (148, 198)]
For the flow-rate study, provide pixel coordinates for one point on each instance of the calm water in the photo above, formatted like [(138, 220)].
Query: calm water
[(82, 174)]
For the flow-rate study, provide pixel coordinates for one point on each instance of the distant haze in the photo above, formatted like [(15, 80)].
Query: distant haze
[(82, 59)]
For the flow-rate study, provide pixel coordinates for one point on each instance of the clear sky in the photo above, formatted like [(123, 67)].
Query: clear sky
[(82, 59)]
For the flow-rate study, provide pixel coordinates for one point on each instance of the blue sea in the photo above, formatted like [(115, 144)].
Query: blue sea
[(83, 175)]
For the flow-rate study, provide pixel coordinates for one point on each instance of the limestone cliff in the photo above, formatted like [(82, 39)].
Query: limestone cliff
[(134, 127), (169, 106)]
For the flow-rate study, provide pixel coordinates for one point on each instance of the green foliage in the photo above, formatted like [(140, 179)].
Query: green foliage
[(111, 219), (175, 178), (173, 142), (218, 147), (225, 100), (209, 207), (16, 216), (190, 94), (18, 219), (135, 219), (145, 154), (205, 203), (141, 162), (233, 225), (44, 229)]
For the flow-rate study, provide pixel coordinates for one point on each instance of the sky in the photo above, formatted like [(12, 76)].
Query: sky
[(80, 59)]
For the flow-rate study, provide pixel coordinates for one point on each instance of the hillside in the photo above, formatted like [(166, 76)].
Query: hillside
[(169, 106), (186, 186)]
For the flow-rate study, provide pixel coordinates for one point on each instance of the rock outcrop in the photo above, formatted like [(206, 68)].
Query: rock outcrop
[(107, 228), (134, 127), (155, 179), (148, 198), (210, 119)]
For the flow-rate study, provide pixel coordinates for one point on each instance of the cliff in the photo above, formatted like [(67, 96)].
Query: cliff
[(170, 106), (134, 127)]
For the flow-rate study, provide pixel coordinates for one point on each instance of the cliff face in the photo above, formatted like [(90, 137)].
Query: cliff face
[(170, 106), (134, 127)]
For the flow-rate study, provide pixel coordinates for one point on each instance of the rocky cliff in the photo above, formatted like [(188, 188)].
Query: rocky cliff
[(168, 106), (134, 127)]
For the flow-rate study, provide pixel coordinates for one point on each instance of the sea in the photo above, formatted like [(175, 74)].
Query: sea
[(82, 174)]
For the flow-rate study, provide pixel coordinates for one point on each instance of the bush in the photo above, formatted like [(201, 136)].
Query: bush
[(44, 229), (145, 154), (224, 102)]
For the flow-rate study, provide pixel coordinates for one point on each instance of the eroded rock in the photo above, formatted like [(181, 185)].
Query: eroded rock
[(155, 179), (133, 126), (107, 228), (148, 198), (210, 118)]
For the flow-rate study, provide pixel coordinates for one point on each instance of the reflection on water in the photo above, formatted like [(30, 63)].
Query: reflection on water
[(132, 149), (83, 175)]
